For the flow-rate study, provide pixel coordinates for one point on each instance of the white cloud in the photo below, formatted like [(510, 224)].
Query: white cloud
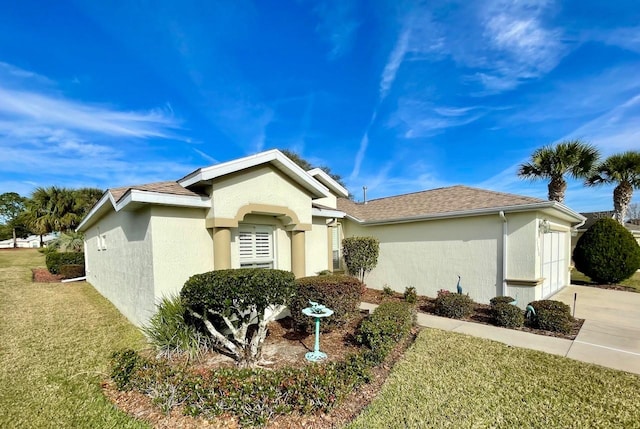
[(395, 60)]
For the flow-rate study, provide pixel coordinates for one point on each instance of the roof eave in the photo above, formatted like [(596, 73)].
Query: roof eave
[(477, 212), (133, 198)]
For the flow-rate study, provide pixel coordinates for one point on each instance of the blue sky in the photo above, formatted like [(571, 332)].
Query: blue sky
[(399, 96)]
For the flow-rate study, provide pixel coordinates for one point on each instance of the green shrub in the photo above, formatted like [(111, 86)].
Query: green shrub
[(55, 260), (360, 255), (607, 252), (410, 295), (507, 315), (124, 365), (387, 291), (552, 316), (171, 332), (453, 305), (72, 271), (501, 300), (253, 395), (389, 324), (340, 293), (227, 302)]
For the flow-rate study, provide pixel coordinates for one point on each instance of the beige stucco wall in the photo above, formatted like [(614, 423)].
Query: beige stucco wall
[(259, 185), (182, 246), (429, 255), (330, 201), (123, 273), (317, 247)]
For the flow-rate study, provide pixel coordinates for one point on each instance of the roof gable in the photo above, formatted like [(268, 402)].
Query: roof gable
[(273, 157)]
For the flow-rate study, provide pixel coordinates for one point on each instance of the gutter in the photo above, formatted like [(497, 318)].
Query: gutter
[(475, 212), (505, 233)]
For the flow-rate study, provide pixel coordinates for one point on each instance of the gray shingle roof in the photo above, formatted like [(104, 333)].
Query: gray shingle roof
[(432, 202), (172, 188)]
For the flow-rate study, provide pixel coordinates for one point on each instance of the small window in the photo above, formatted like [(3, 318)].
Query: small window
[(256, 246)]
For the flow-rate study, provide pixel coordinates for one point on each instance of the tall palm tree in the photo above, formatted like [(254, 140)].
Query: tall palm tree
[(573, 157), (623, 169)]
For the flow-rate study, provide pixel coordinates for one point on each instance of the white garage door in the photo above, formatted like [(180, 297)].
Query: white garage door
[(554, 264)]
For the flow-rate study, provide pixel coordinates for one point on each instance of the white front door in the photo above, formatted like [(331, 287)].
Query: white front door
[(554, 264)]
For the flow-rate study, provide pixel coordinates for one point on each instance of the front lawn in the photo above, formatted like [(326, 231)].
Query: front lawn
[(55, 341), (453, 380)]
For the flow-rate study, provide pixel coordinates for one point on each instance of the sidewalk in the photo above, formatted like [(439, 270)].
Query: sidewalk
[(591, 353)]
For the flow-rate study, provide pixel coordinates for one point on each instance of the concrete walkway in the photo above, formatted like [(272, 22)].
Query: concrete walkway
[(594, 347)]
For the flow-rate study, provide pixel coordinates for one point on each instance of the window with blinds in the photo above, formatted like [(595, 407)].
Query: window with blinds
[(256, 246)]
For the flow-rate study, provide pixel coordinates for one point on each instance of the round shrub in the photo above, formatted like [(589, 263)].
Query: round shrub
[(507, 315), (607, 252), (552, 316), (454, 305), (340, 293), (501, 300)]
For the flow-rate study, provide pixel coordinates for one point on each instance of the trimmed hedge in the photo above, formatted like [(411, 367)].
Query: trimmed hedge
[(454, 305), (552, 316), (55, 260), (501, 300), (607, 252), (340, 293), (72, 271), (507, 315), (389, 324)]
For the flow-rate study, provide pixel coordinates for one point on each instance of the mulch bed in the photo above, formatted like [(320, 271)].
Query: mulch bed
[(287, 348), (42, 275), (481, 313)]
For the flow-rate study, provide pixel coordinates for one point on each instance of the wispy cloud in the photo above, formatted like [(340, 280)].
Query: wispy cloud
[(337, 25), (64, 141), (395, 60), (416, 118)]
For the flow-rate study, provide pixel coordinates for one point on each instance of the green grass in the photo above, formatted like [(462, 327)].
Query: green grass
[(633, 281), (55, 340), (456, 381)]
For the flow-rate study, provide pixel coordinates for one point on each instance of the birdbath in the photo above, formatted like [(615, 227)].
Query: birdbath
[(316, 311)]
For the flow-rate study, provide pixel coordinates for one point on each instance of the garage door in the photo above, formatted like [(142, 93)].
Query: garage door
[(554, 264)]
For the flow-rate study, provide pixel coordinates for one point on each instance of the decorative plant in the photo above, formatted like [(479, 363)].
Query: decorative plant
[(360, 255), (233, 300)]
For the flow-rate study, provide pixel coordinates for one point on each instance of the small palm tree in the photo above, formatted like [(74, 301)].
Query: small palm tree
[(623, 169), (574, 158)]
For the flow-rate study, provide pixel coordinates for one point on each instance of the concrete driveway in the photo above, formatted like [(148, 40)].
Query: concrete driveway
[(610, 335)]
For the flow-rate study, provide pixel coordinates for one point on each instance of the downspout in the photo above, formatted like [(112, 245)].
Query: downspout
[(505, 233)]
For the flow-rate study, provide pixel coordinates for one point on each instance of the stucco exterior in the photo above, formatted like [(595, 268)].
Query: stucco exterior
[(119, 262), (143, 242)]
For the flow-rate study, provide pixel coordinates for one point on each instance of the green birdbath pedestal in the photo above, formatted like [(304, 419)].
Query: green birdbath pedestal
[(317, 311)]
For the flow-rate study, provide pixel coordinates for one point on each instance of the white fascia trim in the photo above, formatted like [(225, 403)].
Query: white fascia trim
[(329, 182), (327, 213), (106, 197), (273, 156), (478, 212), (137, 196)]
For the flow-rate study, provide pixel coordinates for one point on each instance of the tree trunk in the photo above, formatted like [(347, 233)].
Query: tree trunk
[(41, 241), (557, 188), (15, 239), (622, 195)]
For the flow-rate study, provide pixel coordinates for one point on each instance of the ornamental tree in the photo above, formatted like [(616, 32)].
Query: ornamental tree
[(360, 255), (235, 306), (607, 252)]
